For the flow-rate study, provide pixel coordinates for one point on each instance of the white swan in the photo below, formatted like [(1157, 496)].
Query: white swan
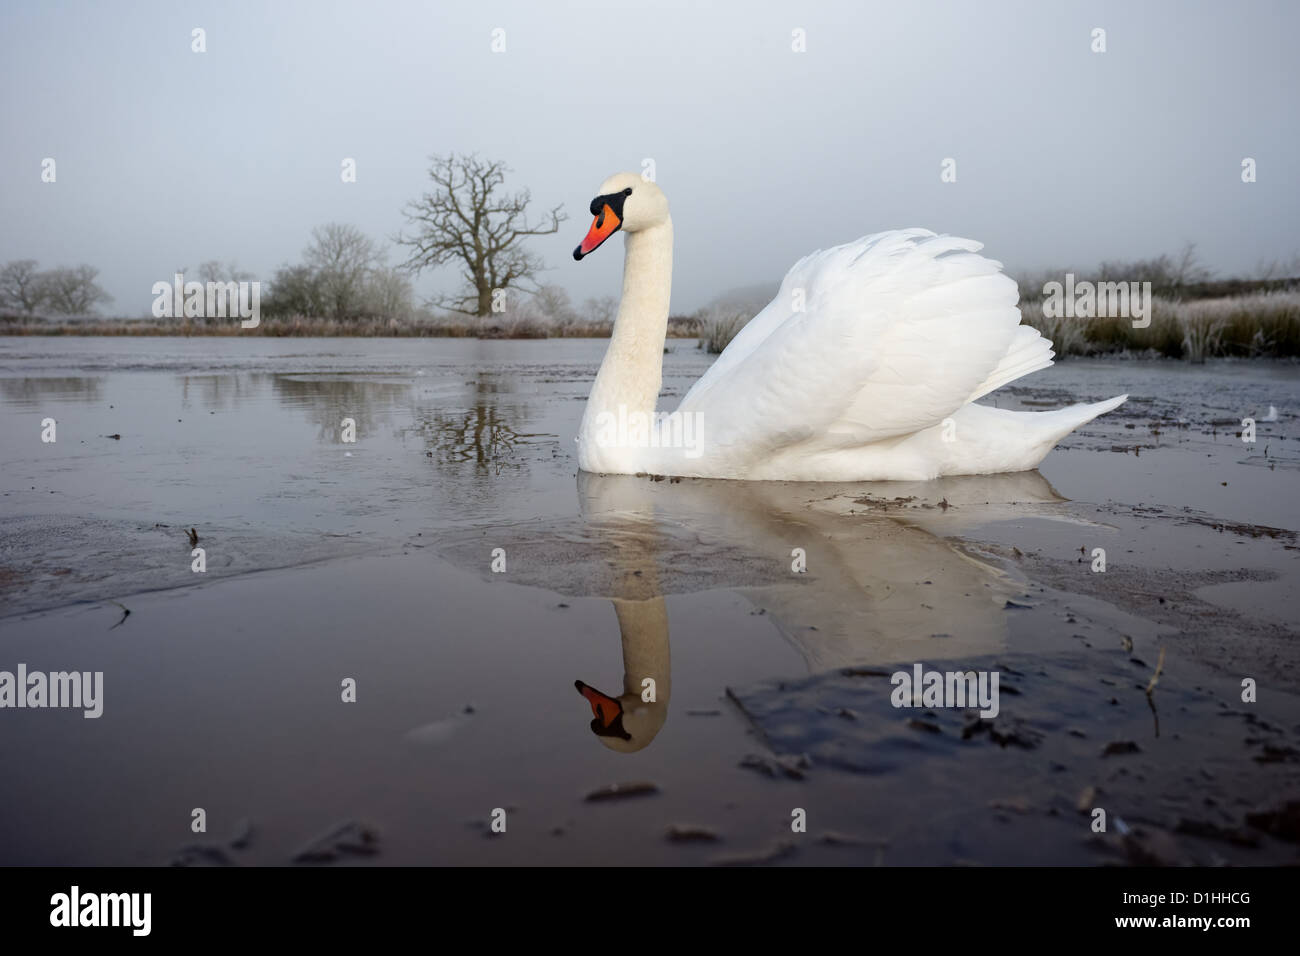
[(865, 366)]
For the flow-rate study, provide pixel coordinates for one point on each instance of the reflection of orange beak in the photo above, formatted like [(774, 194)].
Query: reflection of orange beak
[(605, 225), (605, 708)]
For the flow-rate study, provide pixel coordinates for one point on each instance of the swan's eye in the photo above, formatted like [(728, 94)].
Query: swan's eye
[(628, 191)]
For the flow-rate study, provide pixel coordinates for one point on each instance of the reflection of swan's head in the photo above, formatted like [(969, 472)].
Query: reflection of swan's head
[(626, 202), (627, 723)]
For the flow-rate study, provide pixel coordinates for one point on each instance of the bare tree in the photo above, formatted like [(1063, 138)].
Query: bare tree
[(553, 302), (1168, 276), (600, 310), (470, 220), (388, 293), (21, 287), (72, 291), (1268, 271), (216, 271), (1188, 268), (295, 290), (343, 259)]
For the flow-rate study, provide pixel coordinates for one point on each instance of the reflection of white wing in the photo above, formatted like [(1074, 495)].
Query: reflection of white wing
[(876, 586), (868, 341)]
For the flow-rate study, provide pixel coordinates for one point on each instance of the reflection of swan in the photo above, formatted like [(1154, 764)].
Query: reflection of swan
[(879, 588), (865, 366), (630, 721), (882, 587)]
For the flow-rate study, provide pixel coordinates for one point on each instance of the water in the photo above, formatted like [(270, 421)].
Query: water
[(372, 561)]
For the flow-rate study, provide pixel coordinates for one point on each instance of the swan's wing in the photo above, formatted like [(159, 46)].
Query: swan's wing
[(897, 331)]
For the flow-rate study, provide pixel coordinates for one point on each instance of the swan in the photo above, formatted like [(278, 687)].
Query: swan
[(865, 367)]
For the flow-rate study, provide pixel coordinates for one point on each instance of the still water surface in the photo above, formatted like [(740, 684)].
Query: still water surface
[(375, 561)]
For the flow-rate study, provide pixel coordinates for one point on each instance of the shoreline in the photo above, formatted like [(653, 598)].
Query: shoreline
[(126, 330)]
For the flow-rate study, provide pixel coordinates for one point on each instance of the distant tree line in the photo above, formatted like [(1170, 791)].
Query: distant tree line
[(26, 290), (468, 220), (343, 275), (1181, 276), (553, 305)]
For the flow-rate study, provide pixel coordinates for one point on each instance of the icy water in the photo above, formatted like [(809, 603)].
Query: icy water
[(372, 562)]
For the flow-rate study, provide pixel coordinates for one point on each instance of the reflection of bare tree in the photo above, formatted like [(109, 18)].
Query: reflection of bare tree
[(485, 433), (481, 435), (327, 401), (213, 392), (33, 391)]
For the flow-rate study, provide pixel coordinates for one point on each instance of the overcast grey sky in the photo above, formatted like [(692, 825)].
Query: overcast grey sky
[(1064, 156)]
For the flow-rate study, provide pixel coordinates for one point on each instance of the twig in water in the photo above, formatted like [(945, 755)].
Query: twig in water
[(1151, 701), (1160, 665), (126, 612)]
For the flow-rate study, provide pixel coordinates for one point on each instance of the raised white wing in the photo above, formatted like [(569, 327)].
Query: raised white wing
[(866, 341)]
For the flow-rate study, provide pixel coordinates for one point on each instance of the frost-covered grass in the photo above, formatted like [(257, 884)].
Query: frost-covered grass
[(1256, 324), (1253, 324)]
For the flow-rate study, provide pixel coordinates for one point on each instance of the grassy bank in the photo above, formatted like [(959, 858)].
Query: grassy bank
[(311, 327), (1258, 324), (1263, 324)]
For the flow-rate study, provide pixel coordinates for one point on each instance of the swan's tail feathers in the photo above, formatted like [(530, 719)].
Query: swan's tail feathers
[(1029, 352), (1061, 422)]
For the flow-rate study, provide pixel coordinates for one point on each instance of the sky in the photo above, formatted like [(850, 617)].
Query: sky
[(1064, 157)]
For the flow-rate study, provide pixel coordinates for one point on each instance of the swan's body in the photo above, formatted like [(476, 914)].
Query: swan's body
[(865, 366)]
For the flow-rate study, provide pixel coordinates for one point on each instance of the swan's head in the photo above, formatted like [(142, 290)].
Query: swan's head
[(625, 201)]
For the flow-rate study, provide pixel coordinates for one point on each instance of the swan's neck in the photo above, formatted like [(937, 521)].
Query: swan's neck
[(644, 628), (629, 377)]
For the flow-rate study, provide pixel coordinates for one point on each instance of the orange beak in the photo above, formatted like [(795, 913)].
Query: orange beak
[(605, 708), (604, 226)]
